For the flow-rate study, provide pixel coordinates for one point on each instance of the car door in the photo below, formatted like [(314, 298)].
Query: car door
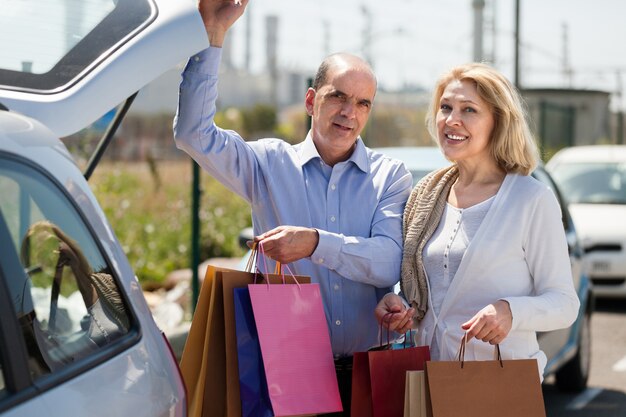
[(72, 341), (555, 342)]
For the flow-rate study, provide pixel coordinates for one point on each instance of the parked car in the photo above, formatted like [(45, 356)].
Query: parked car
[(593, 181), (76, 335), (568, 350)]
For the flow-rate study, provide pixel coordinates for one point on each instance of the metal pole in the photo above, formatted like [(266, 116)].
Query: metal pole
[(620, 110), (620, 127), (517, 80), (478, 6), (195, 235), (108, 136)]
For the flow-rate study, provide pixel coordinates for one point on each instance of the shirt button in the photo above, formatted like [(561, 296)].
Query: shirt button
[(338, 322), (332, 218), (445, 266), (332, 187), (336, 287), (321, 260), (196, 58)]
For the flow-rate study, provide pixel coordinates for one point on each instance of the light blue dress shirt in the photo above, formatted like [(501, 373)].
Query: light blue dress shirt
[(356, 205)]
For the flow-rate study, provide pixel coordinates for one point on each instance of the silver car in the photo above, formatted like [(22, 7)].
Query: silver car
[(593, 181), (76, 335), (568, 350)]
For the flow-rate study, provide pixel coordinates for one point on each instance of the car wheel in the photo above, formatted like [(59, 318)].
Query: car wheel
[(573, 376)]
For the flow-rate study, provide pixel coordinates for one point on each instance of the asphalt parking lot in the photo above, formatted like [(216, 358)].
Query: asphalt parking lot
[(606, 394)]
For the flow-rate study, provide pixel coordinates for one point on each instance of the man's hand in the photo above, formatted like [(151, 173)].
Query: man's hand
[(492, 324), (400, 320), (287, 244), (219, 16)]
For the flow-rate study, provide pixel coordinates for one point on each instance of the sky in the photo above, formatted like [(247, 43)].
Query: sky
[(415, 41)]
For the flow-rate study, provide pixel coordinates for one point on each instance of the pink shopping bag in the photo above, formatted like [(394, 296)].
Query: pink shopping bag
[(296, 350)]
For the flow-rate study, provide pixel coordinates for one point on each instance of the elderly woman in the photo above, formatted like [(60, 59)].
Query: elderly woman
[(485, 252)]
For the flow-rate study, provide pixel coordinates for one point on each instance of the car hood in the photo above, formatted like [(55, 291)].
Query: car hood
[(69, 96), (599, 222)]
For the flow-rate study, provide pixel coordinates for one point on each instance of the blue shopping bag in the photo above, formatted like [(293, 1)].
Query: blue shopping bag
[(255, 399)]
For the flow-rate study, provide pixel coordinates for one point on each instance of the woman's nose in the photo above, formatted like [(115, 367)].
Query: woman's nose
[(453, 118)]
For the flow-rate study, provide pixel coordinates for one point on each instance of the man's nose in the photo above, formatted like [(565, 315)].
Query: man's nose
[(348, 108)]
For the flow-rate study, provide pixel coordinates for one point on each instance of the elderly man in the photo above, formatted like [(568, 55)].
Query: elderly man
[(328, 205)]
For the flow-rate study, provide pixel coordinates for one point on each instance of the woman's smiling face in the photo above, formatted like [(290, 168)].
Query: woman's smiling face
[(464, 122)]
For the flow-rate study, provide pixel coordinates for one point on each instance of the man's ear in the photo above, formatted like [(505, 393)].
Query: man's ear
[(309, 100)]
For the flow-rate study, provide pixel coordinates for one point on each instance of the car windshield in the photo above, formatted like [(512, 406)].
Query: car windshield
[(592, 183), (418, 174)]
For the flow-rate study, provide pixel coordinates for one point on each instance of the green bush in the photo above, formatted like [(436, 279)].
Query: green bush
[(149, 208)]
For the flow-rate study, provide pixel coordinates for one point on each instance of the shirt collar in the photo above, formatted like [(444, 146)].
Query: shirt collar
[(308, 151)]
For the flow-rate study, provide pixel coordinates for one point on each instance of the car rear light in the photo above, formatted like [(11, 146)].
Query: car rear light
[(182, 412)]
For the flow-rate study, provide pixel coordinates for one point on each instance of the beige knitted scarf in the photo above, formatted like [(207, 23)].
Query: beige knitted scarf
[(421, 217)]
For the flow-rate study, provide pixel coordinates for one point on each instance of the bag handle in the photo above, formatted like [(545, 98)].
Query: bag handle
[(380, 333), (279, 268), (253, 254), (461, 355)]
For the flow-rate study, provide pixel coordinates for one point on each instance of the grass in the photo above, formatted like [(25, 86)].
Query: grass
[(149, 208)]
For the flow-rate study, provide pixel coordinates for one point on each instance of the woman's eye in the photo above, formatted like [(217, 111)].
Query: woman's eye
[(444, 107), (470, 110)]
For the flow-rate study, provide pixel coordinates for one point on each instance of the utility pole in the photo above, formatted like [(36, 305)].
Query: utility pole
[(494, 32), (479, 6), (367, 35), (516, 79), (248, 45), (620, 109), (490, 32), (271, 46), (326, 26), (567, 69)]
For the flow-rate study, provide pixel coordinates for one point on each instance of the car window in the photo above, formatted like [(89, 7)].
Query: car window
[(592, 183), (418, 174), (55, 42), (67, 302), (541, 175), (37, 42)]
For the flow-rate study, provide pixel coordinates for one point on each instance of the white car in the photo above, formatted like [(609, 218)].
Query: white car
[(568, 350), (76, 335), (593, 181)]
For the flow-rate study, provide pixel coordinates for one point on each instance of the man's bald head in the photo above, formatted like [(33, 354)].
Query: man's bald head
[(341, 61)]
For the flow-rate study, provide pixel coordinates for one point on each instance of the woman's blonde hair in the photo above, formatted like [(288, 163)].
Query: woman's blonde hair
[(511, 144)]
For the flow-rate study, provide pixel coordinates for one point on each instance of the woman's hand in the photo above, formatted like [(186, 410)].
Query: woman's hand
[(492, 324), (393, 315)]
